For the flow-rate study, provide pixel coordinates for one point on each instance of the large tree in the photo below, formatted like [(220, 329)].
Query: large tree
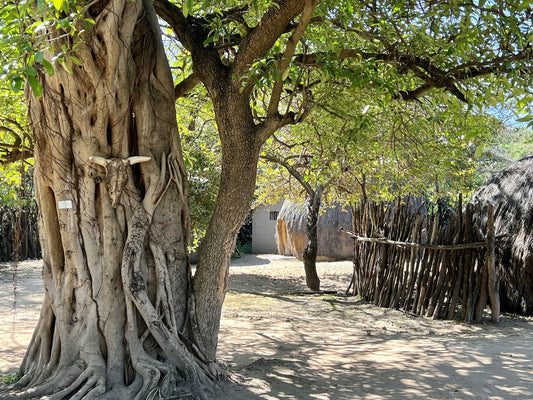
[(122, 316)]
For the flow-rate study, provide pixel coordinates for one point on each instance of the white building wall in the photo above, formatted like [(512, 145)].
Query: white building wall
[(264, 221)]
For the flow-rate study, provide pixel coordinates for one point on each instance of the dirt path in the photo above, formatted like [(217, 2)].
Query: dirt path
[(279, 344), (20, 302)]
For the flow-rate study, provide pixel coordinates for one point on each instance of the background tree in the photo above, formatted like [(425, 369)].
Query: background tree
[(512, 143), (17, 207), (122, 316), (353, 149), (201, 149), (312, 204)]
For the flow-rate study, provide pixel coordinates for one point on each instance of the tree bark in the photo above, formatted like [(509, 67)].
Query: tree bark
[(118, 319), (311, 249), (240, 153)]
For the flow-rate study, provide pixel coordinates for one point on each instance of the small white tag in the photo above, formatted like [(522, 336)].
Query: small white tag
[(64, 204)]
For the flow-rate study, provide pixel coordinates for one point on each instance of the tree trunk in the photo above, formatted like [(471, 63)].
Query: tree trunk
[(118, 319), (240, 154), (311, 249)]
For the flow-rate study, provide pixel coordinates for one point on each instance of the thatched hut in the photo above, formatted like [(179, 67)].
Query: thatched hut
[(332, 244), (510, 191)]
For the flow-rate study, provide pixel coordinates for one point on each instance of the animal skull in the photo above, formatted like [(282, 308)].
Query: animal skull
[(131, 160), (116, 173)]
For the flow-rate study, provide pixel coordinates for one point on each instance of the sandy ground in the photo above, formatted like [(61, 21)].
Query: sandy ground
[(277, 342), (21, 295)]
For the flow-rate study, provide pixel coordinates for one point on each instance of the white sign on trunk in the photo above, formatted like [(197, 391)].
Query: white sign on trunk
[(64, 204)]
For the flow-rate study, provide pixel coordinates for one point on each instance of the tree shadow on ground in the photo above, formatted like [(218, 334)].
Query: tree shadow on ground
[(248, 283), (392, 368), (247, 260), (278, 345)]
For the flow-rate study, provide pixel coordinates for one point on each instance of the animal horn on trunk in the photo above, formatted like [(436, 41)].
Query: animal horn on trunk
[(99, 160), (138, 159)]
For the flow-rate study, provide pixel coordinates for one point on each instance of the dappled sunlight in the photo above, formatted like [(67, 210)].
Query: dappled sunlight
[(385, 367), (335, 347), (279, 342), (20, 302)]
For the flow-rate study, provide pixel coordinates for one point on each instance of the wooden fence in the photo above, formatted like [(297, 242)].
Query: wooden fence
[(18, 233), (409, 261)]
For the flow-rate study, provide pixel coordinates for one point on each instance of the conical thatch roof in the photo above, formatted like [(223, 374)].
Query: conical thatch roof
[(511, 190), (332, 244)]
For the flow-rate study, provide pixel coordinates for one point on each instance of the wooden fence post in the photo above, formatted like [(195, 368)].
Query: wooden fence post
[(493, 285)]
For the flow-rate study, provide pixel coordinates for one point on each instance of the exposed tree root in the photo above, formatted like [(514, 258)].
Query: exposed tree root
[(166, 364)]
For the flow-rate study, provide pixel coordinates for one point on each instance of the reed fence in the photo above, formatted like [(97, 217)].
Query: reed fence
[(19, 239), (410, 261)]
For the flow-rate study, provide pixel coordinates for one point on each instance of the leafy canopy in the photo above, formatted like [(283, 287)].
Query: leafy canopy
[(359, 149), (16, 146), (288, 56), (479, 51), (25, 39)]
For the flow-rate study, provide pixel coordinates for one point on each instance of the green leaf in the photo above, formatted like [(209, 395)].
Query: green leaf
[(35, 86), (24, 47), (39, 57), (470, 134), (65, 24), (49, 67), (286, 74), (479, 151), (57, 4), (349, 7), (257, 82), (41, 6), (75, 60), (187, 7), (29, 70), (65, 65), (16, 83)]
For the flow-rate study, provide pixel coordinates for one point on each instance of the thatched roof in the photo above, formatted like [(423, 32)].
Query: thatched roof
[(332, 244), (511, 193)]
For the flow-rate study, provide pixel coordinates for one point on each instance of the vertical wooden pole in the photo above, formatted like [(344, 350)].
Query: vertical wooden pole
[(411, 278), (425, 269), (493, 284), (483, 296), (468, 267)]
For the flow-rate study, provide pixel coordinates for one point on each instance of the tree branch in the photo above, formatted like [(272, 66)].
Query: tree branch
[(424, 69), (192, 34), (496, 65), (173, 16), (289, 146), (412, 95), (186, 85), (284, 63), (293, 171), (262, 37)]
